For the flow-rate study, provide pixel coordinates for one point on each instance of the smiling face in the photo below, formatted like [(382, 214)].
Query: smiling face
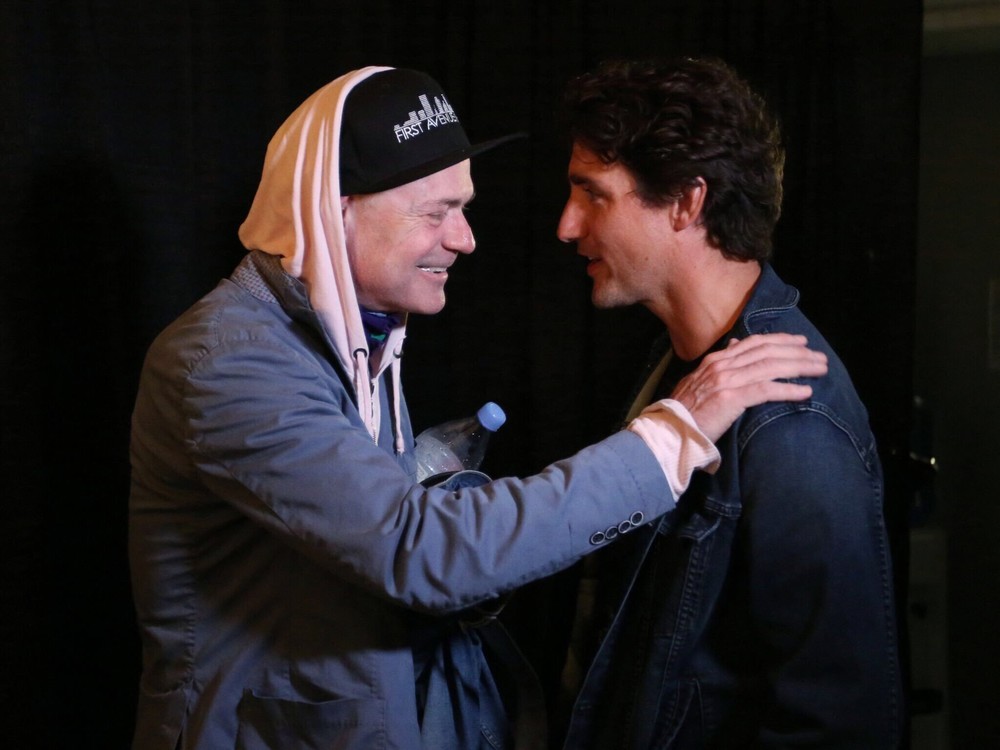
[(627, 243), (401, 242)]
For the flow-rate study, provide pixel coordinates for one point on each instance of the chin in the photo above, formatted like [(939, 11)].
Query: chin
[(608, 300), (427, 307), (600, 301)]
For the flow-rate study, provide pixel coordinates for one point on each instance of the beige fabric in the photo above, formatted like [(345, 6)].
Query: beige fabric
[(296, 214), (669, 430)]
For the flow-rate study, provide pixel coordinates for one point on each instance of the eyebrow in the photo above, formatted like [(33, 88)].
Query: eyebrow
[(587, 182), (446, 203)]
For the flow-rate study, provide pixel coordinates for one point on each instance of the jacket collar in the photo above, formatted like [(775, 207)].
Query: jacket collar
[(263, 276), (771, 296)]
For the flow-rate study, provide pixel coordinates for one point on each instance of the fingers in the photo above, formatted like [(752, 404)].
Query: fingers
[(762, 357), (736, 347), (762, 339), (760, 346), (748, 373), (759, 393), (774, 367)]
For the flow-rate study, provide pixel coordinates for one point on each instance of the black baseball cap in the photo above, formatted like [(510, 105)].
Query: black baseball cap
[(397, 127)]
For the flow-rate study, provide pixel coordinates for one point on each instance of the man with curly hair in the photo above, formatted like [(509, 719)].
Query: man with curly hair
[(761, 613)]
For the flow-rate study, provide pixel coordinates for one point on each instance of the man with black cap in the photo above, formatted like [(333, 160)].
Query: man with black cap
[(294, 584)]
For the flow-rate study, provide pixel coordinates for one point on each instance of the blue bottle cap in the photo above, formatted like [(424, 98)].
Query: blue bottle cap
[(491, 416)]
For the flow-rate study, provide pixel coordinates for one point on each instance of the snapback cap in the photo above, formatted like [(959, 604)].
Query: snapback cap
[(397, 127)]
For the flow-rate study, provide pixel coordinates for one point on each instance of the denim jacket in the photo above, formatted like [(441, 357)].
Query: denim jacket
[(760, 613)]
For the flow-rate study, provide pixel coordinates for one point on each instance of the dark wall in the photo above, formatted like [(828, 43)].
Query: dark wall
[(957, 375), (132, 138)]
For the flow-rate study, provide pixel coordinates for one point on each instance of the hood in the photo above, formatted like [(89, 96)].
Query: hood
[(296, 215)]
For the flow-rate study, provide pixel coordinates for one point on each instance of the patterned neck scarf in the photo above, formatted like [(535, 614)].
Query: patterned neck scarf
[(377, 326)]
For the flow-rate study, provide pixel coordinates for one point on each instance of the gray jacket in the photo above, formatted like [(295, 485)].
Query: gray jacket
[(282, 560)]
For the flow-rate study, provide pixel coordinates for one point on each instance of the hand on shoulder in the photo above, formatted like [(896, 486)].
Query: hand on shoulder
[(746, 373)]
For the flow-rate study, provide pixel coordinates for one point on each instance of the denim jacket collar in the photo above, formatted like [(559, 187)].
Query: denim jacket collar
[(770, 297)]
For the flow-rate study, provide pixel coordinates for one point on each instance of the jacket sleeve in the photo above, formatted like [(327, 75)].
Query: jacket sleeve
[(275, 436), (820, 584)]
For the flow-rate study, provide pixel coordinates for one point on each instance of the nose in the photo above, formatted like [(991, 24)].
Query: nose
[(570, 223), (459, 237)]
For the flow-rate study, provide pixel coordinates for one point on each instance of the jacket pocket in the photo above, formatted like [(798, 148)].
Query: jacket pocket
[(270, 723)]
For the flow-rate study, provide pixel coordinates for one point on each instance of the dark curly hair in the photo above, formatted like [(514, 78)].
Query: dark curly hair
[(671, 122)]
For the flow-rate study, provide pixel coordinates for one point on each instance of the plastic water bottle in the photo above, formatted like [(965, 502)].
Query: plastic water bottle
[(457, 444)]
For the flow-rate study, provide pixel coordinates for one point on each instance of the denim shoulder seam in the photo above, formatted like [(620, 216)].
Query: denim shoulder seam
[(758, 420)]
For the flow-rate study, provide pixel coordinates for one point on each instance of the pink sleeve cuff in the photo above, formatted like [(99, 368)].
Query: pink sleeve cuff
[(670, 432)]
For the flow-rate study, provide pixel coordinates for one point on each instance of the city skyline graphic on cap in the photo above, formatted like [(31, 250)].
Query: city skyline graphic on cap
[(427, 117)]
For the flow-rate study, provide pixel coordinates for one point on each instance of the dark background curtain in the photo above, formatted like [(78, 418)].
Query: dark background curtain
[(132, 139)]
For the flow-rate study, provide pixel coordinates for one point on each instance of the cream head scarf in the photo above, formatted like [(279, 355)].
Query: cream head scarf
[(296, 214)]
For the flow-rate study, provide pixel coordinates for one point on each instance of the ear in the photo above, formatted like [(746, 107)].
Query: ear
[(347, 209), (348, 218), (686, 211)]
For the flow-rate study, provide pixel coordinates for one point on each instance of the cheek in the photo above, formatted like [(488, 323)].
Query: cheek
[(606, 232), (372, 275)]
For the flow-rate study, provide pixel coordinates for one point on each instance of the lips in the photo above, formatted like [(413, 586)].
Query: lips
[(594, 265), (434, 269)]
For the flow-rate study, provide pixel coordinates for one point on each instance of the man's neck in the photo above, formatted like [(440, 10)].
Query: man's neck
[(709, 305)]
